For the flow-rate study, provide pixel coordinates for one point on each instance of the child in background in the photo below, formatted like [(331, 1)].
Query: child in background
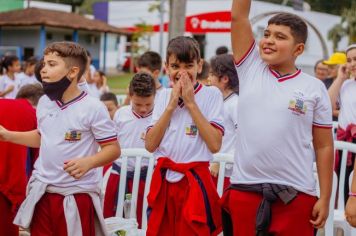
[(150, 62), (101, 82), (16, 160), (63, 197), (28, 76), (223, 75), (111, 103), (131, 123), (342, 94), (9, 81), (203, 76)]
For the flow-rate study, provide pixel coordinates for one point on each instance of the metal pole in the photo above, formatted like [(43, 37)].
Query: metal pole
[(161, 26), (42, 39), (104, 58), (75, 36)]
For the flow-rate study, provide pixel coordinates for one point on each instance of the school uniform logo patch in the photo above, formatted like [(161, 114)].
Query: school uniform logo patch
[(297, 105), (191, 130), (73, 136)]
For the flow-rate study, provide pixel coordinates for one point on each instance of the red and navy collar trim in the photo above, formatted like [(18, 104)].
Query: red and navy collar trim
[(197, 87), (65, 105), (229, 96), (138, 116), (282, 78)]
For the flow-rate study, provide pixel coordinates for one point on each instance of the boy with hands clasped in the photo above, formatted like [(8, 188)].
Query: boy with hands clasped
[(186, 129)]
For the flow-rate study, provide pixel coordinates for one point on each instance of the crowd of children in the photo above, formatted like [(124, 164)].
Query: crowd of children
[(254, 104)]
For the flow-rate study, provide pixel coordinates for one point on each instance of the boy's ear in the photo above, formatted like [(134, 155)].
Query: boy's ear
[(156, 73), (73, 73), (225, 79), (299, 49)]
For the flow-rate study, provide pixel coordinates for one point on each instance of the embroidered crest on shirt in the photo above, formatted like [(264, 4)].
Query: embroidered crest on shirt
[(73, 136), (191, 130), (297, 105)]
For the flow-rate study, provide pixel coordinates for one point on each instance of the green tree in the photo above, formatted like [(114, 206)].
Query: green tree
[(347, 27)]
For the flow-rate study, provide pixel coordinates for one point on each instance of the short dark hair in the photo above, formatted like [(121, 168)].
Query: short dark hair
[(297, 25), (317, 63), (185, 49), (7, 61), (73, 54), (150, 60), (142, 85), (223, 65), (109, 97), (32, 92), (204, 74), (38, 68), (221, 50)]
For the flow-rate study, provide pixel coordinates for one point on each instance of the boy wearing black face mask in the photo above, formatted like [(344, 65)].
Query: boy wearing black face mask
[(63, 197)]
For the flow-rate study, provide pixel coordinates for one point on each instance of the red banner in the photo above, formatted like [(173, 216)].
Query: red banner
[(211, 22)]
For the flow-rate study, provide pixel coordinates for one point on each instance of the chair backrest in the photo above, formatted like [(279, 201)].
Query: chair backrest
[(222, 159), (329, 224), (345, 147), (138, 154)]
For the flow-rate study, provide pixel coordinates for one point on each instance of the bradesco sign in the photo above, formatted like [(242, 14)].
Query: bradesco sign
[(211, 22)]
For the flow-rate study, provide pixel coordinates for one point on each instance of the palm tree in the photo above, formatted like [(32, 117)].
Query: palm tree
[(347, 27), (335, 34), (348, 17)]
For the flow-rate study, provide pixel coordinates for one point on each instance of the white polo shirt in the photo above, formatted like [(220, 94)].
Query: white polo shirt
[(6, 82), (131, 131), (230, 125), (276, 115), (181, 141), (69, 131), (26, 79), (347, 101)]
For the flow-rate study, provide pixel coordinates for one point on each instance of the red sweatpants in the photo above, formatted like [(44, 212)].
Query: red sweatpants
[(49, 219), (7, 215), (287, 220), (110, 199)]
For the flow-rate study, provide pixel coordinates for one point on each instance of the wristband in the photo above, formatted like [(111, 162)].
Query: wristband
[(352, 194)]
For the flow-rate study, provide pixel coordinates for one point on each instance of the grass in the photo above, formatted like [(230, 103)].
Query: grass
[(119, 83)]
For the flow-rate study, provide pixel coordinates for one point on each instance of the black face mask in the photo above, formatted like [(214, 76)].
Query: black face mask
[(55, 90)]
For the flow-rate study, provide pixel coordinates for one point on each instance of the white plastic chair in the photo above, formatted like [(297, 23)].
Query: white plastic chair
[(222, 159), (329, 224), (339, 217), (353, 230), (138, 154)]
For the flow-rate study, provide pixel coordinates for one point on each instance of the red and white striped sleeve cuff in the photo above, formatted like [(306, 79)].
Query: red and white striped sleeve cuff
[(218, 126), (323, 126), (107, 140)]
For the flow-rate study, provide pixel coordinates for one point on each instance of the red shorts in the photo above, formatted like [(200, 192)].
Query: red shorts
[(111, 194), (291, 219), (7, 215), (49, 219)]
